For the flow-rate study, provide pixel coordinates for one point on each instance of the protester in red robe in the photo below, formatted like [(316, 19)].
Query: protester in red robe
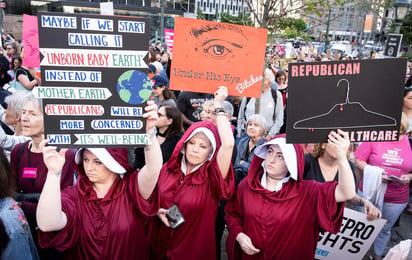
[(277, 215), (102, 216), (196, 177)]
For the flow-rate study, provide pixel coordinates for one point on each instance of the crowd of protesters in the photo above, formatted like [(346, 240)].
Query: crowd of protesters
[(213, 161)]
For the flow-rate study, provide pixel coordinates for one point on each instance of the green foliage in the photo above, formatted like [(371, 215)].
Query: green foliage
[(406, 29), (241, 19), (200, 14), (276, 10), (310, 7), (292, 28), (367, 7), (408, 56), (291, 23)]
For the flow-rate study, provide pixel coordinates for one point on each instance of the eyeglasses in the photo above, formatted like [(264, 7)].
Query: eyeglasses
[(9, 48)]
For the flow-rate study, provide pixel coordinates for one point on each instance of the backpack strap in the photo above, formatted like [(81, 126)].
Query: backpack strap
[(275, 100), (274, 95)]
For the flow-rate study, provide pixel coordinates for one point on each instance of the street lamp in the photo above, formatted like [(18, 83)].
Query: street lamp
[(401, 9), (327, 32)]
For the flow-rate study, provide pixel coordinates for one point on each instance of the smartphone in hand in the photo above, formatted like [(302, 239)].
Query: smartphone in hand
[(174, 216), (395, 178)]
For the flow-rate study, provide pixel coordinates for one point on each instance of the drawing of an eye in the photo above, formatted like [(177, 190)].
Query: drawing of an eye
[(217, 50)]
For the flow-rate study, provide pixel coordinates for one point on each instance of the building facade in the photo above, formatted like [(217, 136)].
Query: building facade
[(213, 7), (347, 22)]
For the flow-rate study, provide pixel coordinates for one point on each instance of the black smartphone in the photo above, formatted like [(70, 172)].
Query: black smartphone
[(394, 177), (174, 216)]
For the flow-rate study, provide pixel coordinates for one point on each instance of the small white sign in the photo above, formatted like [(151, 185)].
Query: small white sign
[(106, 8), (353, 240)]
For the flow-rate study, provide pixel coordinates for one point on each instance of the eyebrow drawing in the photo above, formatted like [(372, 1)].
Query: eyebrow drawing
[(217, 26), (213, 43), (345, 115)]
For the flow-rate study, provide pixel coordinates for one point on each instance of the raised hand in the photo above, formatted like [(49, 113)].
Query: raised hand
[(150, 115), (220, 96), (340, 140), (53, 159)]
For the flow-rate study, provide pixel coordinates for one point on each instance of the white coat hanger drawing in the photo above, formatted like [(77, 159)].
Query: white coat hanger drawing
[(345, 115)]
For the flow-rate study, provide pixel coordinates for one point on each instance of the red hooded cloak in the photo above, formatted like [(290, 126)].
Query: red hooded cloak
[(108, 228), (283, 224), (197, 196)]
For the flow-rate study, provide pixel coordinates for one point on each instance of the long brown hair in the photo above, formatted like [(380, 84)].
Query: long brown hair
[(177, 122), (167, 94)]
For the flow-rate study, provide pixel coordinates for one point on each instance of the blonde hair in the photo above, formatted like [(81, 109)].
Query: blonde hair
[(404, 124)]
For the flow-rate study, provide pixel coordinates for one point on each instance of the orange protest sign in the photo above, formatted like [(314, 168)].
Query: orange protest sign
[(210, 54)]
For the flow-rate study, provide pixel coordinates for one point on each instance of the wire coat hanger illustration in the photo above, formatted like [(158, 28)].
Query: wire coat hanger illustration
[(345, 115)]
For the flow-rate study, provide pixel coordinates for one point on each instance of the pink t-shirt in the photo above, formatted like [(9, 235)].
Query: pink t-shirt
[(395, 158)]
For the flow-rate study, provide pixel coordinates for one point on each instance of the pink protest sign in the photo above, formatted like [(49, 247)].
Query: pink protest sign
[(31, 42), (169, 37)]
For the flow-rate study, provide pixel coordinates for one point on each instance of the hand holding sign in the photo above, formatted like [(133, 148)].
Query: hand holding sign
[(340, 140), (53, 159), (371, 211), (220, 96), (151, 116)]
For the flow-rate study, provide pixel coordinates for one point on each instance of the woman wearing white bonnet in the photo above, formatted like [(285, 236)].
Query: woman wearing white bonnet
[(102, 215), (275, 214), (196, 178)]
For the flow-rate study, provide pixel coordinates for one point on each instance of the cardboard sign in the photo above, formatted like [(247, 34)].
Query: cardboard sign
[(362, 97), (354, 239), (31, 57), (208, 54), (95, 83)]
